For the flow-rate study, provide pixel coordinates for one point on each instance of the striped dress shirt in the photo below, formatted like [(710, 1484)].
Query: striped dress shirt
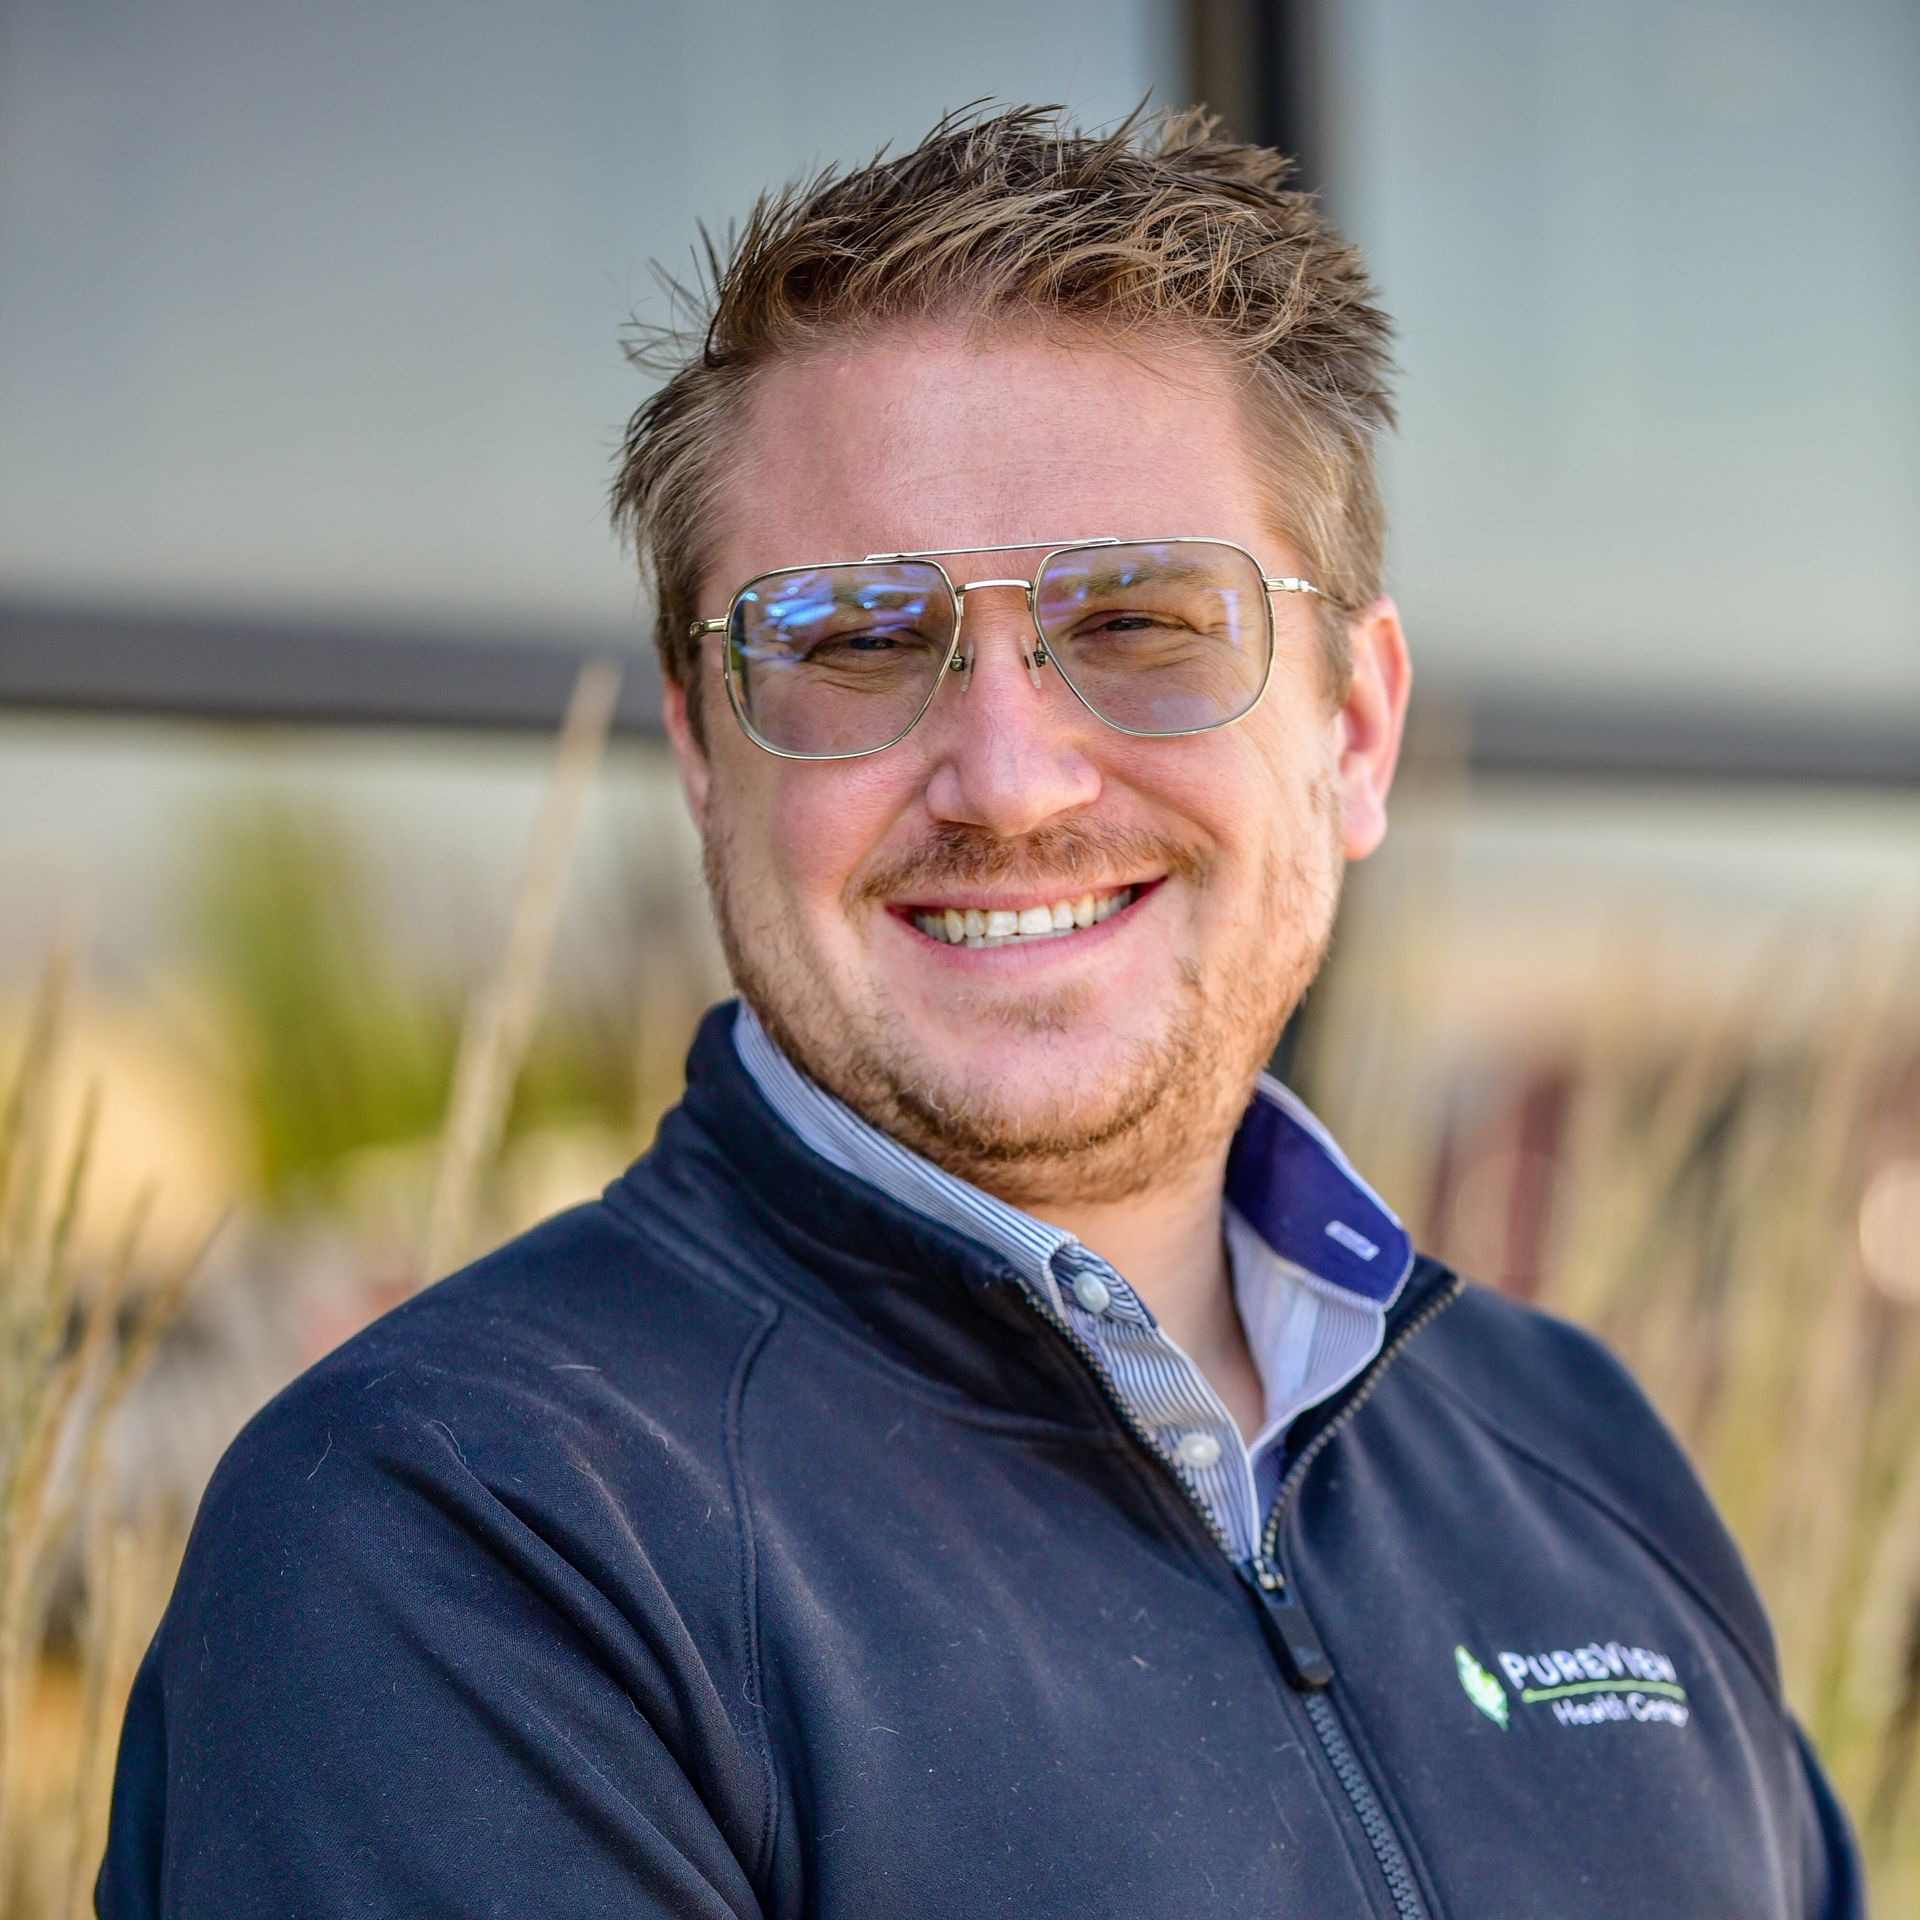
[(1316, 1258)]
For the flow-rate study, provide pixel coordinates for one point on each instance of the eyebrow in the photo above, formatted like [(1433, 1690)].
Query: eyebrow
[(1175, 572), (845, 599)]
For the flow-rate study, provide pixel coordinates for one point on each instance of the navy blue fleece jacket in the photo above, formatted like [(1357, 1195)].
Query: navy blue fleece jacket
[(743, 1544)]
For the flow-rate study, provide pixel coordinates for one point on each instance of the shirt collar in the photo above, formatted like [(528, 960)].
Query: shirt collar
[(1285, 1176), (1300, 1193)]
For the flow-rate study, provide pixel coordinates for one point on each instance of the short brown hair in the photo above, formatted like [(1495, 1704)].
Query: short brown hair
[(1158, 227)]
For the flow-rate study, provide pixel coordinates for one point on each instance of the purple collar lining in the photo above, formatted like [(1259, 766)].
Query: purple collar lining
[(1294, 1187)]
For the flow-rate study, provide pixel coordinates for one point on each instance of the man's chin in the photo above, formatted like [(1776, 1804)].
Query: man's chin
[(1058, 1119), (1020, 1116)]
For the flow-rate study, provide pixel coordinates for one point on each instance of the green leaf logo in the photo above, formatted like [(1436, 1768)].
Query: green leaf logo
[(1481, 1687)]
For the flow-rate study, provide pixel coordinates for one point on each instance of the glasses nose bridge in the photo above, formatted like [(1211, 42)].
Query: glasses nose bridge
[(962, 588), (1033, 657)]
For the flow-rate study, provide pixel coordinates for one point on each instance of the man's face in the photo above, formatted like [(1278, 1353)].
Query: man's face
[(1097, 1062)]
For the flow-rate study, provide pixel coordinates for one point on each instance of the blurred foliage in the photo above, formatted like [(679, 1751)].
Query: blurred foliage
[(72, 1343), (341, 1042), (336, 1047)]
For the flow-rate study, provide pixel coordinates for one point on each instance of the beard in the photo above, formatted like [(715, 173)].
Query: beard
[(1181, 1085)]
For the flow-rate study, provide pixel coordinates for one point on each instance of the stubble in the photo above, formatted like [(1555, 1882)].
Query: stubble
[(1182, 1084)]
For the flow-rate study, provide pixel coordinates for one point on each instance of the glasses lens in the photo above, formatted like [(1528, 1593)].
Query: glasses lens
[(1165, 636), (828, 661)]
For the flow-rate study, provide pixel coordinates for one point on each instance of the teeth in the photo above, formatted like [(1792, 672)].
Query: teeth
[(975, 927)]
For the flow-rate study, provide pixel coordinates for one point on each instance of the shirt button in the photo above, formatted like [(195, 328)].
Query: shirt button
[(1199, 1450), (1092, 1292)]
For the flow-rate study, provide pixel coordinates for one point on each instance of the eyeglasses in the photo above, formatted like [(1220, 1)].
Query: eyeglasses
[(1154, 637)]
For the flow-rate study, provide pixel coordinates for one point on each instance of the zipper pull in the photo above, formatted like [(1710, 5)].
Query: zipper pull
[(1294, 1636)]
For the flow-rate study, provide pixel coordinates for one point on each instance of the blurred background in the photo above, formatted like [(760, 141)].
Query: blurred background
[(311, 934)]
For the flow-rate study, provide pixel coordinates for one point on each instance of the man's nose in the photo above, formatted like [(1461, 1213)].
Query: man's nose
[(1009, 742)]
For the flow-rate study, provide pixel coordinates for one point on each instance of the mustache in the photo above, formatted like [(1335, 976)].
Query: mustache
[(957, 856)]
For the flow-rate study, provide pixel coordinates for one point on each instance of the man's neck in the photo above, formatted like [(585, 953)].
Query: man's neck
[(1170, 1246)]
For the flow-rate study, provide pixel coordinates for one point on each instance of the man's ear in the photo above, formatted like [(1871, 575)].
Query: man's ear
[(696, 774), (1372, 718)]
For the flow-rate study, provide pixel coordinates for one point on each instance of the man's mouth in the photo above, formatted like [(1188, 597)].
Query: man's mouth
[(1002, 926)]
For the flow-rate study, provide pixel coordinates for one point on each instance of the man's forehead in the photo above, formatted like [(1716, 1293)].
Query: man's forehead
[(948, 444)]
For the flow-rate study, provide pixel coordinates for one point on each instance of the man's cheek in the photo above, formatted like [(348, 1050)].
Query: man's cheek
[(822, 831), (804, 884)]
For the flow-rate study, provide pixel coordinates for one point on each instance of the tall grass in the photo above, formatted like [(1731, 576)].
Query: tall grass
[(506, 1010), (71, 1344)]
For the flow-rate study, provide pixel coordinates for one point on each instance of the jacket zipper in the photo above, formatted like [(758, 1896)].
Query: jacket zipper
[(1290, 1629), (1385, 1843)]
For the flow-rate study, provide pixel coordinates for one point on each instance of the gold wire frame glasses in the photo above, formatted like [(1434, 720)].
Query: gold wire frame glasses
[(836, 660)]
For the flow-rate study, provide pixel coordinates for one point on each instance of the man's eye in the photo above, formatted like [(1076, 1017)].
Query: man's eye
[(1120, 625), (845, 643), (866, 650)]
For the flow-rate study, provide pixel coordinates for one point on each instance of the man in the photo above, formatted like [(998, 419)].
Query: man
[(993, 1456)]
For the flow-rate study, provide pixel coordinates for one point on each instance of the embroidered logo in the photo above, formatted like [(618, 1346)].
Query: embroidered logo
[(1483, 1689), (1580, 1686)]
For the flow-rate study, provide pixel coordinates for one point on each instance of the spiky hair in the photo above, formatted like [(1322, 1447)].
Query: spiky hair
[(1158, 229)]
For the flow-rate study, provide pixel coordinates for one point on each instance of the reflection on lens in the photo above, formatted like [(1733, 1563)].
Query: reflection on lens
[(1166, 636), (826, 661)]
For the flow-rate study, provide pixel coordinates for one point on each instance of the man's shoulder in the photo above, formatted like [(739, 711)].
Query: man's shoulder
[(1550, 1390), (1512, 1356), (492, 1546), (1562, 1408), (569, 1357)]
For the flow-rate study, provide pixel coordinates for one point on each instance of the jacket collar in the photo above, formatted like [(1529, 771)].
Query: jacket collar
[(1285, 1177), (730, 1190), (730, 1187)]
